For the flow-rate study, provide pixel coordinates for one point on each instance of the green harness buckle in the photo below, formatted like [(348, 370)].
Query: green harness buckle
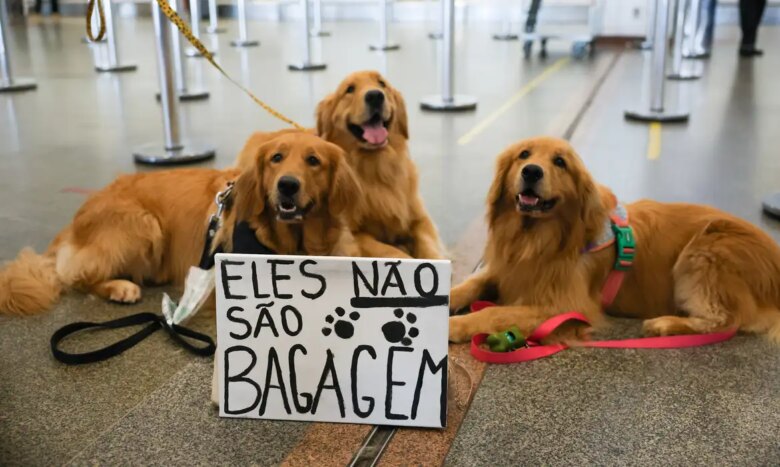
[(626, 247)]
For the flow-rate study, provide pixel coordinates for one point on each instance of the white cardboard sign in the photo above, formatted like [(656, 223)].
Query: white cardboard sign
[(353, 340)]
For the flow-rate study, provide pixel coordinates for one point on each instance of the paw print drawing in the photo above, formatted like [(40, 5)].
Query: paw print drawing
[(343, 325), (395, 331)]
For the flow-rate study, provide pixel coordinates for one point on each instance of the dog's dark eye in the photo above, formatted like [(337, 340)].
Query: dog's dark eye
[(313, 161), (382, 83), (276, 158), (559, 161), (350, 89), (525, 155)]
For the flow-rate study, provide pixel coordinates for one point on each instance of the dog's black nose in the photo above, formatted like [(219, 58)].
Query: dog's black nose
[(375, 98), (532, 173), (288, 185)]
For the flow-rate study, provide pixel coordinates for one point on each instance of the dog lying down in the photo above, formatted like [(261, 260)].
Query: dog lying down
[(696, 269), (151, 227)]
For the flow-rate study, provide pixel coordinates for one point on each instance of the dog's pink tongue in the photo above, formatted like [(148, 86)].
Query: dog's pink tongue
[(529, 200), (375, 134)]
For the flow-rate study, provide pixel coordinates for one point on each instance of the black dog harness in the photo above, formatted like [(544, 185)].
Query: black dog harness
[(244, 241)]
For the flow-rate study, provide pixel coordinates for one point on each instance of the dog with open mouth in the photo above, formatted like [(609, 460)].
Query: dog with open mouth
[(150, 227), (366, 117), (552, 247)]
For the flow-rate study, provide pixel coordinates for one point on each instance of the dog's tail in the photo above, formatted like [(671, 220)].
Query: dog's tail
[(29, 284)]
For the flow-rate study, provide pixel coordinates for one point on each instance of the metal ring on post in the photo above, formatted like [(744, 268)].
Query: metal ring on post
[(384, 43), (243, 40), (7, 81), (113, 51), (183, 90), (771, 205), (447, 101), (195, 26), (317, 30), (677, 54), (307, 64), (173, 150), (657, 112), (214, 19), (439, 34)]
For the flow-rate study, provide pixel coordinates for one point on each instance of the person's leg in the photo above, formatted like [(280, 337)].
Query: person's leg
[(38, 6), (750, 13)]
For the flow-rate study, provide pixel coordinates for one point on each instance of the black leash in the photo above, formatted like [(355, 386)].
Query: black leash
[(244, 241), (177, 333)]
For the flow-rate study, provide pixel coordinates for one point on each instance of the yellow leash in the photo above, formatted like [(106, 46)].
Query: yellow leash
[(185, 30), (102, 30)]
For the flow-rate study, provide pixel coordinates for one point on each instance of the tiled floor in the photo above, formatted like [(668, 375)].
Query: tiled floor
[(718, 405)]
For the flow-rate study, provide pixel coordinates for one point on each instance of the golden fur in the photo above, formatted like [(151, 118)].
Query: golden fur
[(394, 222), (150, 227), (697, 269)]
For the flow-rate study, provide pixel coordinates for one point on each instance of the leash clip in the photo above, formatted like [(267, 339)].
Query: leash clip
[(222, 199)]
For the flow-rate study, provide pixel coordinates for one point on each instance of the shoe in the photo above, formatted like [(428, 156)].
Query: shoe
[(750, 51)]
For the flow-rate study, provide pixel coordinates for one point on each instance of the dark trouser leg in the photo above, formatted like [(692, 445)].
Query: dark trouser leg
[(750, 12)]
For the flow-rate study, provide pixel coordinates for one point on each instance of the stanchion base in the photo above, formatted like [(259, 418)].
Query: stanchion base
[(653, 116), (684, 75), (319, 34), (246, 43), (697, 55), (156, 154), (195, 94), (771, 205), (506, 37), (213, 30), (457, 103), (435, 35), (306, 66), (118, 68), (195, 53), (18, 84), (384, 46)]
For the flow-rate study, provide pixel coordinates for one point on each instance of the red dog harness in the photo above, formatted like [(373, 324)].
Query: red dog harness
[(617, 232)]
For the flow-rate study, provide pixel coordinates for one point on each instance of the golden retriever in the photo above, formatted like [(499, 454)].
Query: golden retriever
[(366, 117), (696, 270), (151, 226)]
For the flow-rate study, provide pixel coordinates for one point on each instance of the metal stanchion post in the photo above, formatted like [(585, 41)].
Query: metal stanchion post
[(213, 19), (647, 44), (677, 53), (317, 31), (183, 91), (7, 82), (306, 64), (173, 150), (439, 34), (657, 112), (506, 26), (243, 40), (447, 101), (384, 43), (113, 51), (195, 26)]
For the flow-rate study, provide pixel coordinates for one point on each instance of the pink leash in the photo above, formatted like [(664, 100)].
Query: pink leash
[(536, 350)]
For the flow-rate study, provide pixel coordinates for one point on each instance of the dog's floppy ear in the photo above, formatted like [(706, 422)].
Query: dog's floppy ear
[(496, 192), (400, 117), (325, 116), (249, 196), (345, 195)]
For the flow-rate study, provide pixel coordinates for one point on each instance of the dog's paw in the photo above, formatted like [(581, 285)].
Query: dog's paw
[(122, 291), (662, 326), (459, 331)]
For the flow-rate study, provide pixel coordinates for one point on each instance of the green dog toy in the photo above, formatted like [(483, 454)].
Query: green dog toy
[(507, 341)]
